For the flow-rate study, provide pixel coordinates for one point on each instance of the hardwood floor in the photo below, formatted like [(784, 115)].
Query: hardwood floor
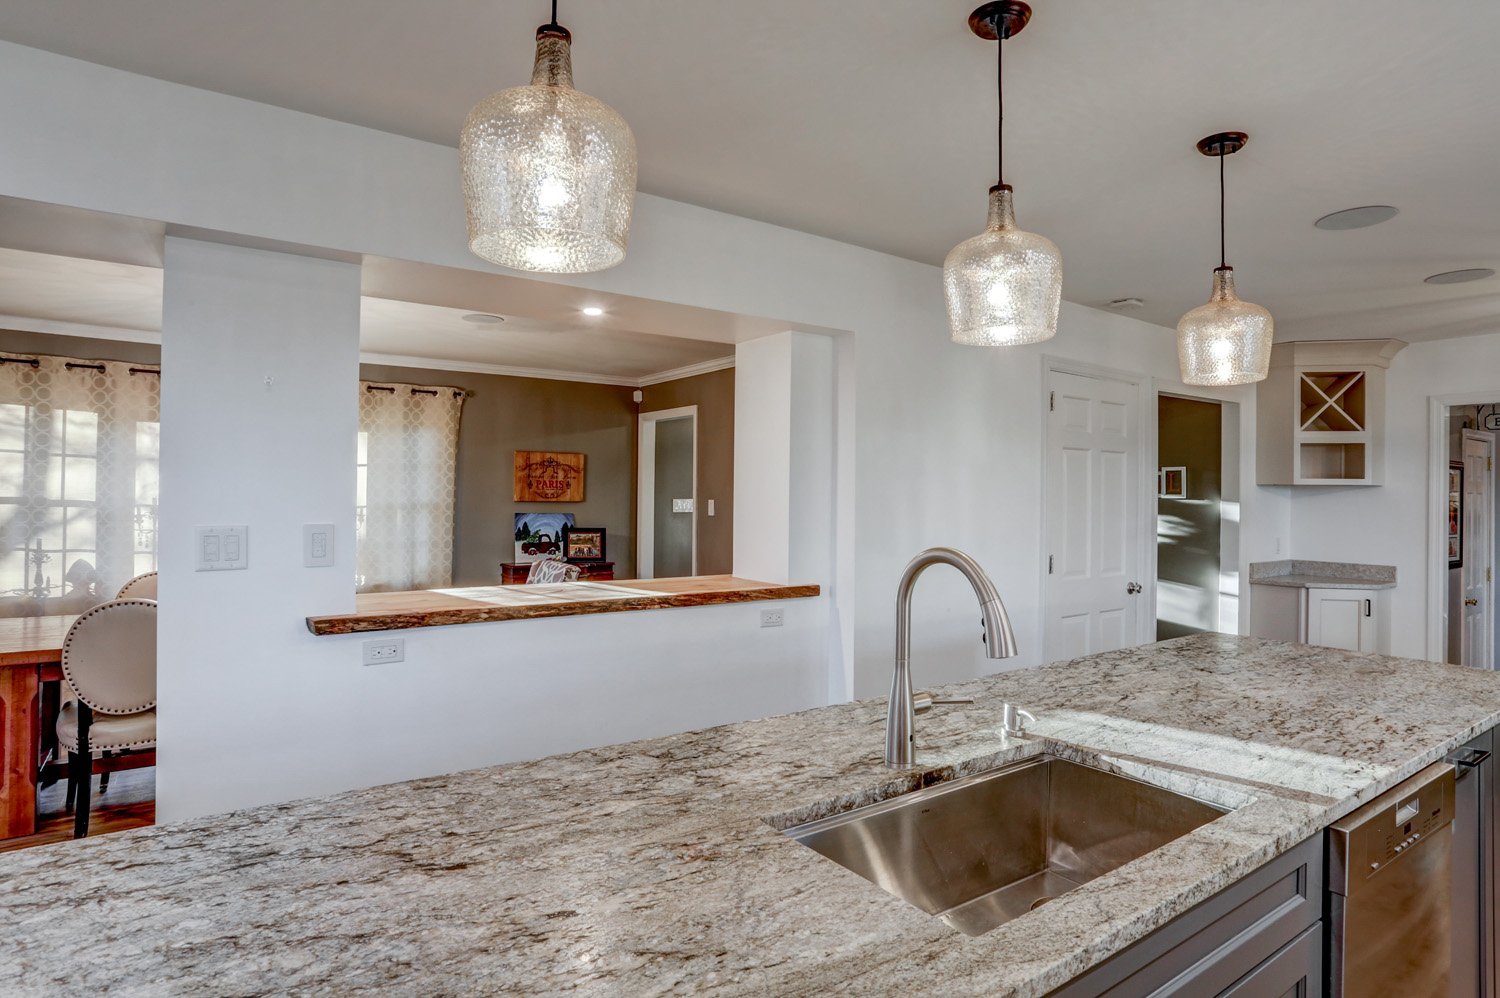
[(130, 802)]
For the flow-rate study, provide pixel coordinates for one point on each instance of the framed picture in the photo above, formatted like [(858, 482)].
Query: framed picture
[(540, 535), (548, 476), (583, 543), (1172, 483), (1456, 515)]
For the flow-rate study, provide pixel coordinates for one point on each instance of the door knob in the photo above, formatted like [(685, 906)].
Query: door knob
[(1471, 602), (1133, 587)]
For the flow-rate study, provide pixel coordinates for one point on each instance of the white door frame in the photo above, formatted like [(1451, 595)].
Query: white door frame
[(1146, 525), (1437, 512), (645, 503)]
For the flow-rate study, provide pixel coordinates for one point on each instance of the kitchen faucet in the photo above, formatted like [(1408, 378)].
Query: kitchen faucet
[(999, 642)]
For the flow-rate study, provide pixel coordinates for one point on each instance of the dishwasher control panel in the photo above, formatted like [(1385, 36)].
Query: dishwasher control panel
[(1379, 833)]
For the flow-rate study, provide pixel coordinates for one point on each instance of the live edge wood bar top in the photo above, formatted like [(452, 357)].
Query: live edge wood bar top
[(438, 607)]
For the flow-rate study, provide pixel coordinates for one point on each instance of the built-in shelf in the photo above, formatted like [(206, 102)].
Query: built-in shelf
[(1320, 412)]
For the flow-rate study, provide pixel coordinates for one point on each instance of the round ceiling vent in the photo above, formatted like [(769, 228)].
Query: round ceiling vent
[(484, 319), (1461, 276), (1357, 218)]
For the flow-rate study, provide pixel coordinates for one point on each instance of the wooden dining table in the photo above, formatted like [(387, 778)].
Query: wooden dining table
[(30, 672)]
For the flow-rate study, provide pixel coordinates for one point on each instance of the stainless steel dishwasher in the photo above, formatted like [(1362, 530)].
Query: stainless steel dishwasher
[(1390, 873)]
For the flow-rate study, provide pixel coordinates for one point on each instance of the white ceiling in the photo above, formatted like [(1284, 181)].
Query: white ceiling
[(543, 333), (871, 121)]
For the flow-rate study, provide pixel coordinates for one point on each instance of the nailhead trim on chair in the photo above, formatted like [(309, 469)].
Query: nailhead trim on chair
[(132, 581), (67, 641)]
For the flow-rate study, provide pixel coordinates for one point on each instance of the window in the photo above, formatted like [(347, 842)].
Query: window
[(79, 452), (406, 469)]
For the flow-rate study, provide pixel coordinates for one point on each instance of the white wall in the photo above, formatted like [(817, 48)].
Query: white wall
[(252, 430), (1388, 525), (944, 442)]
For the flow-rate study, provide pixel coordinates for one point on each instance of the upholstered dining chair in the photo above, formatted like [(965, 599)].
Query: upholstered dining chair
[(109, 659), (548, 570), (143, 586)]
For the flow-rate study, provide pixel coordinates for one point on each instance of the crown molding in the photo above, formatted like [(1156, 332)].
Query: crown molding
[(704, 367), (546, 374), (26, 324)]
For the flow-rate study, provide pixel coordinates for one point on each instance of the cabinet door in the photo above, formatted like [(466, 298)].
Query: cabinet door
[(1341, 618), (1296, 971)]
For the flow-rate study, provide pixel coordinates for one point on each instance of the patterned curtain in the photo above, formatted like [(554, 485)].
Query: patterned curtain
[(408, 462), (79, 449)]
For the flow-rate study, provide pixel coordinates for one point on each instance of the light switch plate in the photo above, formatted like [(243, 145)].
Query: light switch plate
[(682, 505), (317, 545), (710, 507), (221, 549)]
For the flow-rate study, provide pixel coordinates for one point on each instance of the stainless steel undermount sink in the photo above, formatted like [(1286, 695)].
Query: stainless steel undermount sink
[(984, 849)]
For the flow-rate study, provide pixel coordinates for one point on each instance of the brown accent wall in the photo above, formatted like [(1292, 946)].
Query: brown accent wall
[(15, 341), (713, 394), (507, 414)]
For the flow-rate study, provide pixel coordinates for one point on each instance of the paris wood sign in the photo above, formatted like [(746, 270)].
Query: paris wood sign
[(548, 476)]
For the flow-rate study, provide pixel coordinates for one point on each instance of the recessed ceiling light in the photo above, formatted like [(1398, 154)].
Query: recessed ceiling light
[(1357, 218), (1126, 302), (1461, 276), (593, 311), (484, 319)]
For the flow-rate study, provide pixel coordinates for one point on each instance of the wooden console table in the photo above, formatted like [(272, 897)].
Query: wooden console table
[(513, 573)]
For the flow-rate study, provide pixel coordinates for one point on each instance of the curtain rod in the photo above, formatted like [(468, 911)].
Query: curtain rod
[(458, 393)]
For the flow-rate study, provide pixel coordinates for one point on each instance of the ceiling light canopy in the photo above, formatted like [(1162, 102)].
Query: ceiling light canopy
[(1003, 287), (1460, 276), (1227, 341), (1357, 218), (483, 318), (548, 172)]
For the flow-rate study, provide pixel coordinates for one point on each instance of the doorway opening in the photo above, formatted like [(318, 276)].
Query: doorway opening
[(1469, 532), (1197, 516), (666, 494)]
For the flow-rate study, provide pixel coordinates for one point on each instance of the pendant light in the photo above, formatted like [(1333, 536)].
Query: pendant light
[(1227, 341), (1004, 286), (548, 172)]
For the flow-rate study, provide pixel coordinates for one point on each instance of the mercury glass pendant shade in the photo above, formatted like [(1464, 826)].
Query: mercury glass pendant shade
[(1227, 341), (548, 172), (1004, 286)]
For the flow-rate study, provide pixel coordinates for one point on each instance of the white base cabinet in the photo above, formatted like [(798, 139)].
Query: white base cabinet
[(1351, 619)]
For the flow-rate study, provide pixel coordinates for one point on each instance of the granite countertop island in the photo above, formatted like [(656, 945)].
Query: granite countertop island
[(657, 866)]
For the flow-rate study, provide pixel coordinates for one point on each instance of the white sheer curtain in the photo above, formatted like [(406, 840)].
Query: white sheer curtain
[(408, 462), (79, 448)]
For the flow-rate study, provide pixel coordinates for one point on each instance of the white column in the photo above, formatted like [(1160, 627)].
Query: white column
[(260, 368)]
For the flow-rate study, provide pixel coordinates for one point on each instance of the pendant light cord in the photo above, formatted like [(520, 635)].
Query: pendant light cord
[(1223, 260), (553, 23), (1000, 100)]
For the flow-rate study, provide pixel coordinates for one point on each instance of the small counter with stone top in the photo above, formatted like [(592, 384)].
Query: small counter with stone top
[(659, 866), (1298, 574)]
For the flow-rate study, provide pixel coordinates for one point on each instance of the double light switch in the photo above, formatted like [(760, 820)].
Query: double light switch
[(222, 549)]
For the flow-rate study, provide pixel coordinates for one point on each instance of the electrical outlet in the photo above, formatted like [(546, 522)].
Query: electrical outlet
[(317, 545), (772, 618), (384, 650)]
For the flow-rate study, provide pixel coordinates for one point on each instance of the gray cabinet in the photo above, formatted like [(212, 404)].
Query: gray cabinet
[(1260, 938)]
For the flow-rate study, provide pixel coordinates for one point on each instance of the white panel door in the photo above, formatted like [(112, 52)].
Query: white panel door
[(1093, 513), (1341, 618), (1477, 628)]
